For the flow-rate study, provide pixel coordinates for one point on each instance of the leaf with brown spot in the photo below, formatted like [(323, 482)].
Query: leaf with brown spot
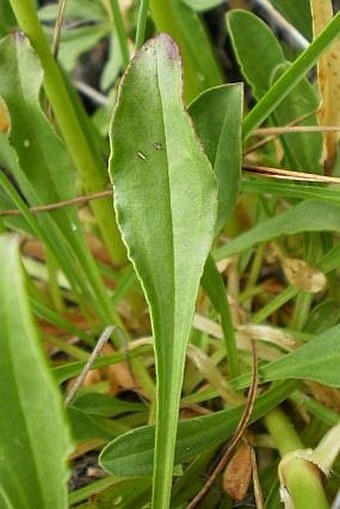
[(237, 475), (328, 82)]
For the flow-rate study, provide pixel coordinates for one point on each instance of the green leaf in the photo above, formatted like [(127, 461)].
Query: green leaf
[(303, 151), (308, 216), (34, 437), (280, 188), (123, 494), (77, 41), (132, 453), (297, 13), (213, 284), (201, 70), (87, 10), (89, 427), (251, 39), (36, 157), (106, 406), (202, 5), (166, 198), (289, 79), (217, 115), (317, 360)]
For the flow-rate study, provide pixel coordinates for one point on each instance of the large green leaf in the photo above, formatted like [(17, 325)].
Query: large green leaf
[(217, 115), (166, 198), (132, 453), (34, 437), (307, 216), (34, 155)]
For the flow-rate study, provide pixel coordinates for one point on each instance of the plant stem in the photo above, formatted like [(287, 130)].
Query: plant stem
[(275, 304), (119, 25), (141, 23), (303, 482), (301, 478), (282, 431), (90, 169)]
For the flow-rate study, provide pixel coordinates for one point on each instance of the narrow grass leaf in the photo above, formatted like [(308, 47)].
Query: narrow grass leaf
[(166, 199), (34, 437), (36, 157), (317, 360), (132, 453), (213, 284), (308, 216), (200, 67)]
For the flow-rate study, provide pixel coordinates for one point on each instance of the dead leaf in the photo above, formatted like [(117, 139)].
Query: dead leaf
[(237, 475), (303, 276), (328, 396), (5, 122), (118, 375), (328, 82)]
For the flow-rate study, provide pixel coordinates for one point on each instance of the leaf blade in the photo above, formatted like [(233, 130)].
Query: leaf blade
[(160, 174), (34, 438)]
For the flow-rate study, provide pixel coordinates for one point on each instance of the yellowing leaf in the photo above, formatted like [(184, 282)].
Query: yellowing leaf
[(328, 82), (5, 123)]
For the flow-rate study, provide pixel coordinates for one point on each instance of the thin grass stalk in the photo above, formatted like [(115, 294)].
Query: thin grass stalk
[(91, 169), (141, 23), (119, 26)]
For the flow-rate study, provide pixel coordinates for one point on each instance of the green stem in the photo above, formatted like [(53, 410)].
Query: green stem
[(275, 304), (291, 77), (141, 23), (119, 25), (283, 432), (301, 477), (90, 169), (303, 482)]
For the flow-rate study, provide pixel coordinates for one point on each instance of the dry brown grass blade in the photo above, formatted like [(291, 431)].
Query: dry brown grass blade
[(256, 483), (81, 377), (79, 200), (282, 173), (230, 447), (328, 82)]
